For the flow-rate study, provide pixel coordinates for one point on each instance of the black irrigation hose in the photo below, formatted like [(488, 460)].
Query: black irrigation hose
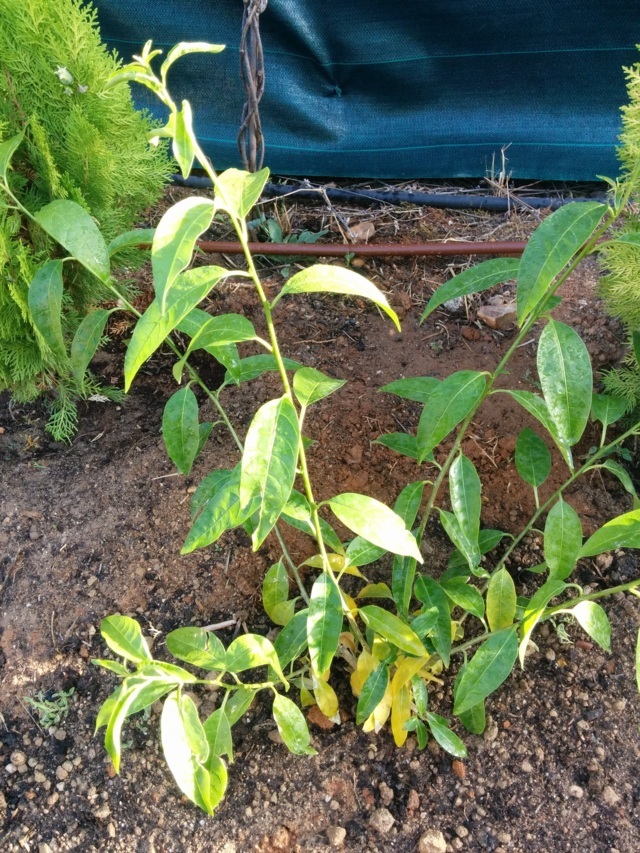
[(446, 201)]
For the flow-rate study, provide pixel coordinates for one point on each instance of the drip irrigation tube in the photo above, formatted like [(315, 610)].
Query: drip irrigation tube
[(448, 201), (508, 247)]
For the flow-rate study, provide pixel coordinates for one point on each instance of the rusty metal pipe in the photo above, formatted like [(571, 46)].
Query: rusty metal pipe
[(507, 247)]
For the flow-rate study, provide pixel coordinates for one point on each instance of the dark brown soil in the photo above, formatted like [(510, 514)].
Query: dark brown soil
[(96, 527)]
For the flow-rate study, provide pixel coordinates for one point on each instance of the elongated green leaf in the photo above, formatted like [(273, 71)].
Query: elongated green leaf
[(166, 672), (221, 511), (180, 429), (325, 278), (473, 280), (487, 541), (87, 340), (431, 594), (268, 466), (310, 385), (218, 780), (532, 457), (193, 728), (361, 552), (324, 623), (183, 148), (607, 409), (487, 669), (464, 487), (373, 690), (419, 389), (152, 328), (130, 690), (594, 621), (537, 407), (401, 442), (292, 640), (392, 629), (375, 522), (111, 665), (562, 540), (220, 331), (7, 150), (402, 575), (218, 733), (550, 248), (107, 708), (251, 650), (123, 636), (459, 537), (622, 474), (501, 600), (443, 735), (620, 532), (463, 595), (449, 404), (534, 610), (292, 726), (408, 502), (174, 241), (184, 48), (275, 592), (177, 739), (72, 227), (137, 237), (565, 373), (45, 305), (237, 192), (297, 513), (474, 720), (198, 647), (255, 365), (239, 702)]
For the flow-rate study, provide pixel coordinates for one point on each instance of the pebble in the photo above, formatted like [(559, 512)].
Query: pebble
[(609, 796), (459, 769), (386, 794), (576, 791), (381, 820), (111, 830), (18, 758), (550, 654), (61, 773), (336, 835), (462, 831), (432, 841), (526, 767), (39, 777), (491, 731), (102, 812)]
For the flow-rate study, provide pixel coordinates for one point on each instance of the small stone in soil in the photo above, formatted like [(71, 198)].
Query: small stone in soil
[(432, 841), (381, 820), (336, 835)]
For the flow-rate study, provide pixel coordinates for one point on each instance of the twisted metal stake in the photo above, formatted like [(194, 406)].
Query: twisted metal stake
[(250, 139)]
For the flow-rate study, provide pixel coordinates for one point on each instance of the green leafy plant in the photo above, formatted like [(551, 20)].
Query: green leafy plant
[(51, 708), (80, 142), (469, 618)]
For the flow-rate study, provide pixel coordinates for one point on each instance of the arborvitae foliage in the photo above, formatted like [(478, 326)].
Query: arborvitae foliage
[(83, 143), (620, 287)]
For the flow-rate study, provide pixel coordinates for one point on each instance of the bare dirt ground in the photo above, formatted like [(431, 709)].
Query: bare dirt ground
[(96, 527)]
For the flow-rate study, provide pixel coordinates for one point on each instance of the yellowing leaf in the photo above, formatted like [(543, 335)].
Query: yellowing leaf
[(366, 664), (327, 700), (400, 712), (381, 714)]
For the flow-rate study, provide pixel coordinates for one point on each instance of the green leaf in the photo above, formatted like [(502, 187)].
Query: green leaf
[(255, 365), (449, 404), (325, 278), (487, 541), (268, 467), (408, 502), (419, 389), (112, 666), (168, 672), (473, 280), (607, 409), (594, 621), (474, 720), (463, 595), (562, 540), (373, 690), (622, 474), (501, 600), (487, 669), (566, 378), (184, 48), (198, 647), (443, 735), (361, 552), (180, 429), (123, 636), (292, 726), (550, 248), (178, 738), (239, 702), (45, 305), (620, 532), (534, 611), (532, 457), (218, 780), (130, 690), (402, 575), (401, 442), (251, 650), (7, 150), (292, 640), (297, 513), (275, 592), (420, 695), (152, 328), (465, 546), (324, 623), (87, 340), (222, 511), (218, 733), (107, 708), (375, 590), (537, 407), (220, 331), (174, 241), (72, 227), (375, 522), (431, 594), (464, 487), (137, 237), (183, 148), (237, 192), (392, 629), (310, 385)]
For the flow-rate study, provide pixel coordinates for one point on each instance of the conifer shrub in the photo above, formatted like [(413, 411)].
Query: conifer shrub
[(82, 142)]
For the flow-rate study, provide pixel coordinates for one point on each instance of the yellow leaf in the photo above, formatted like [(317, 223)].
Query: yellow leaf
[(366, 664), (306, 697), (336, 561), (327, 700), (380, 714), (355, 571), (380, 648), (400, 713), (346, 639), (406, 669), (353, 607)]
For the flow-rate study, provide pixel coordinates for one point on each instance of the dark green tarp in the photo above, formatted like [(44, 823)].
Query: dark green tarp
[(411, 88)]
